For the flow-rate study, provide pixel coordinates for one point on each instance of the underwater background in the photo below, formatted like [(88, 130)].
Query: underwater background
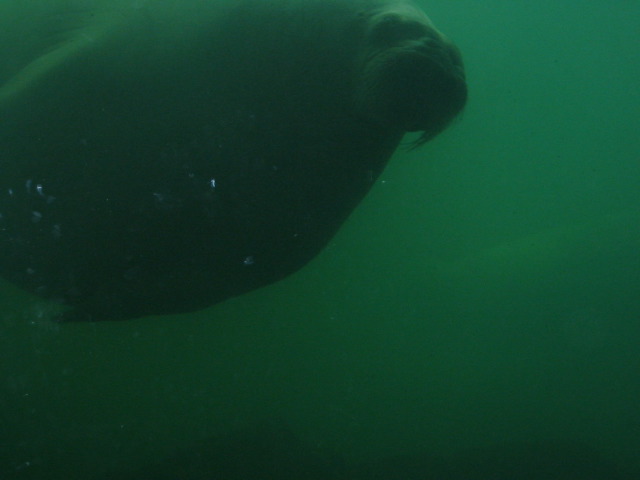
[(478, 316)]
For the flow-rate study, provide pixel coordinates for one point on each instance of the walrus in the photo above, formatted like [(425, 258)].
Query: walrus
[(158, 157)]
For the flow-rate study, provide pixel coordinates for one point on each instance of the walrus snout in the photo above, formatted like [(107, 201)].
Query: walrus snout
[(418, 85), (440, 89)]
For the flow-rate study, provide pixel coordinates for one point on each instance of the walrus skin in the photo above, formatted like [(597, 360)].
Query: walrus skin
[(158, 157)]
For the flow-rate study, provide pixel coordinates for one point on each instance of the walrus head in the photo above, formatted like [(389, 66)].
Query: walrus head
[(410, 77)]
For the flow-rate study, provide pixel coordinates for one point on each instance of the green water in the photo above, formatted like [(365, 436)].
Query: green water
[(484, 297)]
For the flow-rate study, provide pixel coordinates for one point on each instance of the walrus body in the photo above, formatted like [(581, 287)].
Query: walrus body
[(159, 157)]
